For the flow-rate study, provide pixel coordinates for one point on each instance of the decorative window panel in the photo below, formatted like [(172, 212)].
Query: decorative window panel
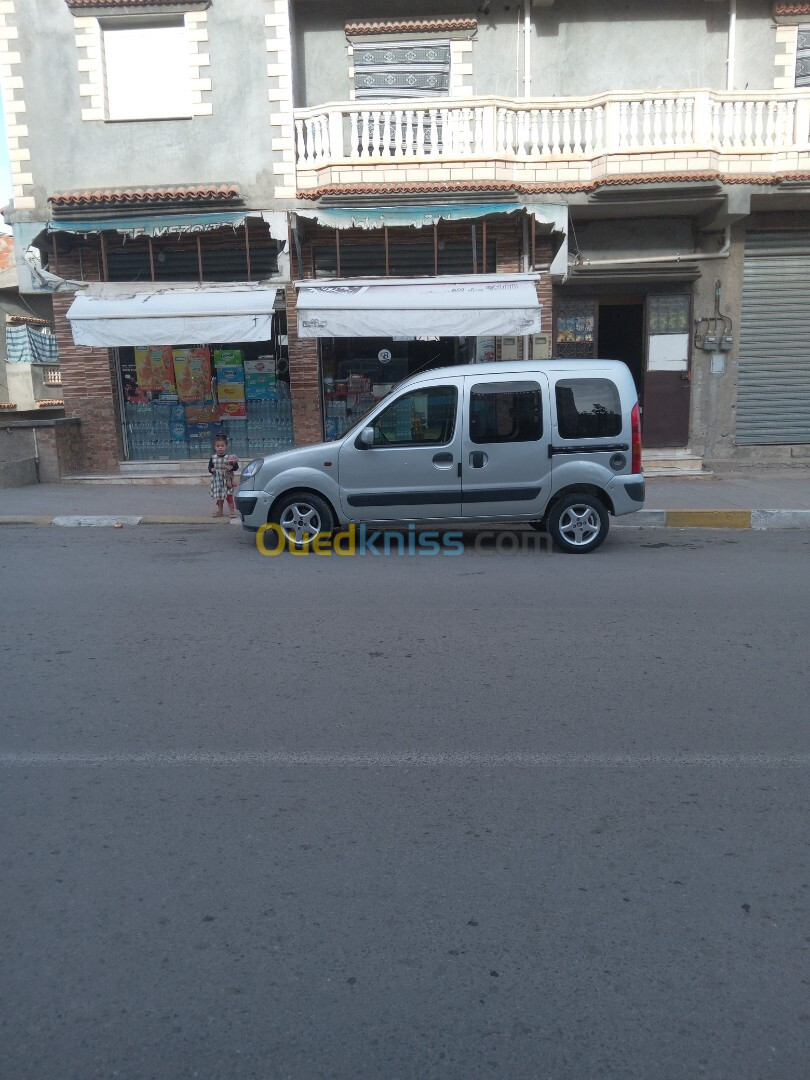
[(409, 69), (803, 56), (668, 315), (575, 329)]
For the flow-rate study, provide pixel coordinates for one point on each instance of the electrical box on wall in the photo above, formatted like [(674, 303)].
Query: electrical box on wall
[(510, 348), (541, 346)]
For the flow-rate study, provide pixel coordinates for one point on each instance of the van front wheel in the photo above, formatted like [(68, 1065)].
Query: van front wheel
[(302, 516), (578, 523)]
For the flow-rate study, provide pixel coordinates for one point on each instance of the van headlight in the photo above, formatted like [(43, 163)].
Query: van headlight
[(252, 468)]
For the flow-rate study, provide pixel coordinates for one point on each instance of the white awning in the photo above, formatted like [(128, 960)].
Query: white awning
[(478, 305), (109, 315)]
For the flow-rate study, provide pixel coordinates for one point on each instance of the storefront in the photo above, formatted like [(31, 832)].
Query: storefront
[(374, 333), (192, 362)]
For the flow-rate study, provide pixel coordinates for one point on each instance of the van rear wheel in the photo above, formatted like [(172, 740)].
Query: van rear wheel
[(578, 523)]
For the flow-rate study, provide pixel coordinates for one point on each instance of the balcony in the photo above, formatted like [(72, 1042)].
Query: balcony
[(559, 141)]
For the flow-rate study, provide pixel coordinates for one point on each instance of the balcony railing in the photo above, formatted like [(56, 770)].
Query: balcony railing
[(575, 132)]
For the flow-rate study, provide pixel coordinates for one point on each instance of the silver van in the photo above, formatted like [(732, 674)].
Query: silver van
[(555, 443)]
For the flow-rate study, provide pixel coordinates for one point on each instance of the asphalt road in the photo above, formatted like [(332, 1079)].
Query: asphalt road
[(527, 816)]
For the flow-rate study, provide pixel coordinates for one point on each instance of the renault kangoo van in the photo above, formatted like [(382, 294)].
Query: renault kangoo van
[(555, 443)]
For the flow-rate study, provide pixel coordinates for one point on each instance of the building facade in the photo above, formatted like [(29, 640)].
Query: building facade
[(258, 216)]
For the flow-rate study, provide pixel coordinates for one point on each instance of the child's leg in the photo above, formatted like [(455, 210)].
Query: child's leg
[(218, 511), (231, 507)]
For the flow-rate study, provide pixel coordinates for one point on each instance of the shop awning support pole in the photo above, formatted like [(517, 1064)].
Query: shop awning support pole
[(474, 249), (151, 259), (387, 267), (534, 242), (55, 253), (104, 275), (435, 249), (199, 259), (247, 249), (484, 243), (337, 251)]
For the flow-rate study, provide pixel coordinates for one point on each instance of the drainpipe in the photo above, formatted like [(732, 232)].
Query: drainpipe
[(678, 256), (732, 38), (527, 48)]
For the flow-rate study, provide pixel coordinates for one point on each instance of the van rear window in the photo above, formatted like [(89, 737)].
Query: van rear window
[(588, 409)]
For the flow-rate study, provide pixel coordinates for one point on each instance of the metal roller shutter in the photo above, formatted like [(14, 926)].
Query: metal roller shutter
[(773, 387)]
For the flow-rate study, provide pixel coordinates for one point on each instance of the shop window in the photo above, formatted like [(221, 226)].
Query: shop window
[(588, 409), (422, 417), (803, 56), (505, 412), (222, 256), (147, 73)]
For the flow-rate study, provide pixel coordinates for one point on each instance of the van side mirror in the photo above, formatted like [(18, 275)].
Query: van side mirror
[(367, 437)]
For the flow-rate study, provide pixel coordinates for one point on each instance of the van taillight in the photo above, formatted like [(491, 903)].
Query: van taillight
[(635, 420)]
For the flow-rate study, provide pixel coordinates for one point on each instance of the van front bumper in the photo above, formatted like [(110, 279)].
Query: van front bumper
[(253, 507), (626, 493)]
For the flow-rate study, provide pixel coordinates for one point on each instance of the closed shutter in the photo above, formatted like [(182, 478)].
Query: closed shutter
[(773, 387)]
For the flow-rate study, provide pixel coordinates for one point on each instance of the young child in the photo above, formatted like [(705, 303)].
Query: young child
[(223, 467)]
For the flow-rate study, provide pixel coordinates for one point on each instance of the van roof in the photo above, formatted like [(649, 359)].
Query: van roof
[(525, 367)]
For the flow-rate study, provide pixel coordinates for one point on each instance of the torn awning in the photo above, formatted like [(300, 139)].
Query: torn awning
[(109, 315), (478, 305)]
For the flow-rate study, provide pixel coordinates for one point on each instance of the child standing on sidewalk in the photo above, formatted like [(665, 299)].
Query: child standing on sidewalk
[(223, 467)]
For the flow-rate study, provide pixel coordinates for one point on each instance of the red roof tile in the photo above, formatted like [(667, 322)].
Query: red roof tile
[(117, 196), (49, 402), (791, 9), (406, 26), (7, 406), (459, 186)]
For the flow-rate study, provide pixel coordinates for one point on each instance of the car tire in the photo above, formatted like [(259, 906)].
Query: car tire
[(578, 523), (302, 514)]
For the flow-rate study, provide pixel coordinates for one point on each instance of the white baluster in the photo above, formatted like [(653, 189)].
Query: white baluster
[(419, 118), (468, 132), (354, 147), (566, 131), (500, 135), (365, 134), (790, 125), (556, 149), (770, 124), (647, 122), (520, 132), (535, 134), (577, 131), (545, 132), (478, 147), (510, 137), (738, 123), (587, 135), (448, 132), (599, 128), (759, 125), (434, 132), (299, 142), (688, 117), (398, 133), (633, 124), (669, 121), (658, 121)]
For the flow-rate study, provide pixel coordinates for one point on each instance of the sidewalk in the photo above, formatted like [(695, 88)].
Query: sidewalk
[(739, 500)]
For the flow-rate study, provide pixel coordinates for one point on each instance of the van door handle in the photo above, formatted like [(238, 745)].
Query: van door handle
[(443, 461), (478, 459)]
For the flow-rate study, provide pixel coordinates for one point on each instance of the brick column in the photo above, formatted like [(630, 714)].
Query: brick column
[(305, 379), (89, 392)]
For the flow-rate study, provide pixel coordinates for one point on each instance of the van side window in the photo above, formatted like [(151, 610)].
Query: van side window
[(588, 409), (505, 412), (423, 417)]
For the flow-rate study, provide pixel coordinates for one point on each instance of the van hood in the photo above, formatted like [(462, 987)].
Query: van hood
[(303, 457)]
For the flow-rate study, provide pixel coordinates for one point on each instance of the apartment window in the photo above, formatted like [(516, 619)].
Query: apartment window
[(147, 73), (402, 70), (803, 56)]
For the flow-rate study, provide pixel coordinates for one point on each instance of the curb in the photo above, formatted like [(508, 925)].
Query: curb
[(759, 520)]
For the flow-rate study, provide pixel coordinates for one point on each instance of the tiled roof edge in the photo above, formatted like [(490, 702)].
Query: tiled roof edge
[(460, 186), (404, 26), (116, 196)]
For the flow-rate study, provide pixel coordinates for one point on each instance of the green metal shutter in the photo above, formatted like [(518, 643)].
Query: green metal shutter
[(773, 386)]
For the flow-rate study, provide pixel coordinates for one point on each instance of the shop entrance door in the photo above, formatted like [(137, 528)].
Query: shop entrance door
[(665, 419)]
